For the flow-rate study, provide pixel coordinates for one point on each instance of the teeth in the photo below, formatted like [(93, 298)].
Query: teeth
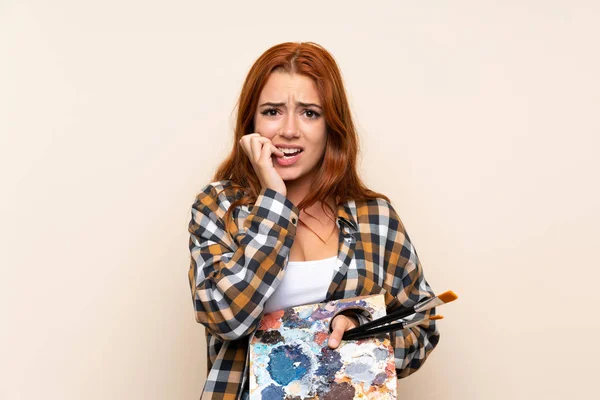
[(289, 151)]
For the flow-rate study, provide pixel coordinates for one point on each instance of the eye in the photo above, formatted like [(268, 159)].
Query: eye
[(269, 112), (312, 114)]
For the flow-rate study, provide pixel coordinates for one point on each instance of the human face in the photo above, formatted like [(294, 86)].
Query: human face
[(290, 114)]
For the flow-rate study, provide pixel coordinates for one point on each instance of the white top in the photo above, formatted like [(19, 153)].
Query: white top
[(304, 282)]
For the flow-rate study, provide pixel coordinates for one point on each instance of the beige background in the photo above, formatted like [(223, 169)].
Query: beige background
[(479, 119)]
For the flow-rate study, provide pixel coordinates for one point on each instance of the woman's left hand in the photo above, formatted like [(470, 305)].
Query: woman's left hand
[(340, 324)]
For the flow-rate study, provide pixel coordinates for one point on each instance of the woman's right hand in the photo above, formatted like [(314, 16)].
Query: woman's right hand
[(259, 149)]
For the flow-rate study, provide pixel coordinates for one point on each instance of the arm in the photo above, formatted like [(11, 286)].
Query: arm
[(406, 282), (231, 279)]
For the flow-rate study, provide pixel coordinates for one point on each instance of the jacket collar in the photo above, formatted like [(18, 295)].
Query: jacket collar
[(346, 217)]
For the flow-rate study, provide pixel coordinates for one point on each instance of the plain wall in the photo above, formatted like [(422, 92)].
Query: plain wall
[(479, 119)]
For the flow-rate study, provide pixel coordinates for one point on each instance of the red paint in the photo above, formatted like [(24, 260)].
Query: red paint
[(320, 337), (271, 321), (390, 368)]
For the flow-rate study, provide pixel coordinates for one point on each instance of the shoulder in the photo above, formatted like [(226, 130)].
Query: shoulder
[(377, 212), (375, 208), (219, 192), (217, 196)]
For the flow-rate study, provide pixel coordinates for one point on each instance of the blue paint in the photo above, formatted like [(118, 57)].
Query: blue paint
[(272, 392), (292, 320), (330, 362), (305, 313), (261, 348), (360, 371), (381, 354), (288, 363)]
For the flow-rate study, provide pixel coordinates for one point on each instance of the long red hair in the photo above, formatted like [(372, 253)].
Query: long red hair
[(337, 178)]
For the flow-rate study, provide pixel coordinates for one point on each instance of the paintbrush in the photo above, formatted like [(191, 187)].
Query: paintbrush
[(389, 328), (403, 312)]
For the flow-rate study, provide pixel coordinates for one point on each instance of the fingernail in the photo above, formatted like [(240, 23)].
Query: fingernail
[(332, 342)]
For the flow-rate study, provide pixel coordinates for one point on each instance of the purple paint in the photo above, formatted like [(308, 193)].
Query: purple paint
[(321, 313), (380, 379), (354, 304), (330, 362)]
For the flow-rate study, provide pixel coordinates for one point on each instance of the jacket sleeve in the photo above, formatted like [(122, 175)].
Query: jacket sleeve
[(231, 278), (406, 282)]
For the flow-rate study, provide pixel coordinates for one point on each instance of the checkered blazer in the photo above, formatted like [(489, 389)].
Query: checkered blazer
[(234, 269)]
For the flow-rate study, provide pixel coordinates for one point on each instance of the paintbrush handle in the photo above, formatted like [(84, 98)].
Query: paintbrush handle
[(400, 313), (378, 330), (385, 329), (394, 315)]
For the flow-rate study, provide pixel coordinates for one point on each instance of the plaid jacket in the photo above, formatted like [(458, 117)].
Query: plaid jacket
[(235, 268)]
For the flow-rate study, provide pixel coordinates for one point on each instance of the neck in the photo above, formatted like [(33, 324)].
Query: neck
[(298, 190)]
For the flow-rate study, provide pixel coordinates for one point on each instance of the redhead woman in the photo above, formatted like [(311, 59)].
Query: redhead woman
[(287, 221)]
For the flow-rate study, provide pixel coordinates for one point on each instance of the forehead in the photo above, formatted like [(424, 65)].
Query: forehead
[(281, 86)]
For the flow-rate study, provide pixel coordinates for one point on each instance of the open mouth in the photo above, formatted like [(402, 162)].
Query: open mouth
[(290, 153), (290, 156)]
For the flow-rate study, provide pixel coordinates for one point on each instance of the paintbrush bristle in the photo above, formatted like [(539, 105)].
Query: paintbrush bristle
[(448, 296), (433, 317)]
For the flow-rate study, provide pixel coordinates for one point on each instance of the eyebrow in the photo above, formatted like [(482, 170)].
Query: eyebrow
[(298, 103)]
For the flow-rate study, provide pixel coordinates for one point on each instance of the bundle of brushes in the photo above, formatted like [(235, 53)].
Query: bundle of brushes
[(394, 320)]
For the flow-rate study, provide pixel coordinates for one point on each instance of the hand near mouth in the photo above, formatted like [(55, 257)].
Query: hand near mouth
[(259, 150)]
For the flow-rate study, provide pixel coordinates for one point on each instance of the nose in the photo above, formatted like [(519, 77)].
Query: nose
[(290, 127)]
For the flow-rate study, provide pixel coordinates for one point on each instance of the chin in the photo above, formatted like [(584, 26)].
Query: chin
[(289, 175)]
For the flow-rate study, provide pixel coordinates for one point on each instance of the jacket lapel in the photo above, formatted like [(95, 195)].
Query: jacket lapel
[(346, 243)]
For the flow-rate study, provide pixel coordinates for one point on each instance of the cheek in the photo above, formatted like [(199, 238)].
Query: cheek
[(266, 128), (321, 141)]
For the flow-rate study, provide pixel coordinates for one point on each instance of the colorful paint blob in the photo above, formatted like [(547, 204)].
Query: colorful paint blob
[(288, 363), (290, 359)]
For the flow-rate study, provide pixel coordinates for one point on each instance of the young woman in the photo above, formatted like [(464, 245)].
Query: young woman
[(287, 220)]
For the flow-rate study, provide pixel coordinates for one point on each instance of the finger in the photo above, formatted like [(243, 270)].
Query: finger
[(265, 146), (265, 154), (249, 136), (245, 144), (276, 151), (246, 139), (268, 150), (340, 324), (272, 148), (256, 147)]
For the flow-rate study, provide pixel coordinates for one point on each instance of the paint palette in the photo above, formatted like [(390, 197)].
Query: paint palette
[(290, 358)]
